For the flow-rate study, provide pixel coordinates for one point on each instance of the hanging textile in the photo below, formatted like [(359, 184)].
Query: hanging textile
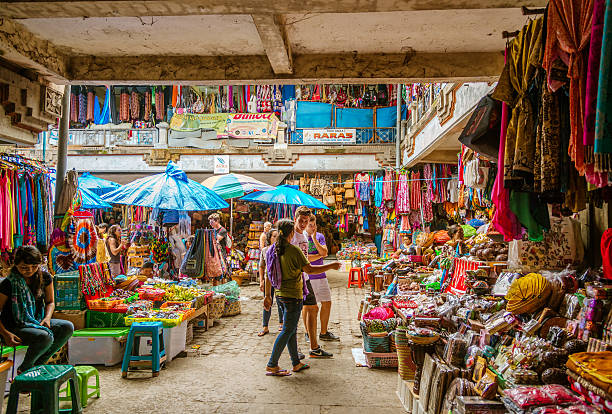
[(82, 102), (427, 202), (567, 38), (524, 57), (603, 123), (135, 105), (90, 104), (159, 103), (378, 190), (402, 203)]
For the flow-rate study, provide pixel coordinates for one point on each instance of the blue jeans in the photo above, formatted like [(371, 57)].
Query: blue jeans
[(42, 345), (292, 310), (268, 313)]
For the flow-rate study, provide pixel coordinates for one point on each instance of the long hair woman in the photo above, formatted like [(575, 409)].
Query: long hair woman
[(27, 303), (271, 238), (289, 294), (115, 246)]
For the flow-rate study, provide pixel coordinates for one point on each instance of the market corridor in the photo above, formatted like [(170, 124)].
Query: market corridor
[(226, 374)]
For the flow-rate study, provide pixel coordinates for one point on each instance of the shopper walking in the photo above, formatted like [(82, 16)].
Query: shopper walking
[(317, 251), (286, 265), (311, 310), (263, 238), (271, 238)]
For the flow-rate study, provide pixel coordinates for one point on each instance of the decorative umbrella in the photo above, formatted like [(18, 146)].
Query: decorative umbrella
[(234, 185), (285, 195), (97, 185), (170, 190)]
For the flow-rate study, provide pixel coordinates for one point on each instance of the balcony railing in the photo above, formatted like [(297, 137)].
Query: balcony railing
[(144, 137), (364, 136)]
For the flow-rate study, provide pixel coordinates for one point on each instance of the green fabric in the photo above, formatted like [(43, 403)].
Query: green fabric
[(104, 332), (603, 123), (468, 231), (292, 262), (532, 215), (24, 304)]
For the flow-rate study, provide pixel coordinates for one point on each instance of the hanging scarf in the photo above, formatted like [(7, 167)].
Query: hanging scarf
[(569, 33), (606, 253), (24, 304), (603, 123)]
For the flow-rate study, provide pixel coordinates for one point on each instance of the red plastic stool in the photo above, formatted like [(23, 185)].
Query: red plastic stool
[(355, 271), (364, 271)]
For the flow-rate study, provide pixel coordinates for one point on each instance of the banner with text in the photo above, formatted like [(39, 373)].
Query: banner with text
[(248, 126), (342, 136)]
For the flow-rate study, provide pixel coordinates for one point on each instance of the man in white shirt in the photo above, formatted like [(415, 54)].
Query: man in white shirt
[(311, 309)]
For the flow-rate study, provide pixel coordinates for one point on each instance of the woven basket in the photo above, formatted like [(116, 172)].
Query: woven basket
[(374, 360), (216, 308), (232, 308), (378, 345), (423, 340), (406, 366)]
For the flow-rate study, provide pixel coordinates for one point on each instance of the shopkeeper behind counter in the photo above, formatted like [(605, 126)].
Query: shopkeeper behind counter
[(456, 242), (27, 303)]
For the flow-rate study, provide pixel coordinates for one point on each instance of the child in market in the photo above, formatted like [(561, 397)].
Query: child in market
[(285, 264), (146, 271)]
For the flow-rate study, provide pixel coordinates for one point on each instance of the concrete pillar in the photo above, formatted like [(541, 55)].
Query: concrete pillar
[(162, 140), (62, 143), (280, 134)]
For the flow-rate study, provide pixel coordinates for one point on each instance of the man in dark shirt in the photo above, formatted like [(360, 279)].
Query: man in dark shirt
[(215, 223)]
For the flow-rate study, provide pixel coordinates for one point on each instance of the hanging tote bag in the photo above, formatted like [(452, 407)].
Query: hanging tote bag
[(482, 131), (194, 260)]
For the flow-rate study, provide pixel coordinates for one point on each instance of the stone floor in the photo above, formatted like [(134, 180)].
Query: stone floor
[(226, 373)]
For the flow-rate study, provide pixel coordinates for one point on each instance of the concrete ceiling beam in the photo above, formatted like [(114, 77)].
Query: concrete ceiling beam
[(236, 70), (24, 49), (116, 8), (273, 36)]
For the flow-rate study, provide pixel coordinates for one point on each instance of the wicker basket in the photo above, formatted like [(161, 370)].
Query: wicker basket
[(423, 340), (406, 366), (216, 308), (375, 344), (376, 360), (232, 308)]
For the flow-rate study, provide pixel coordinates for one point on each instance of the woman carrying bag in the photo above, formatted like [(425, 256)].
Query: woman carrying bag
[(285, 264)]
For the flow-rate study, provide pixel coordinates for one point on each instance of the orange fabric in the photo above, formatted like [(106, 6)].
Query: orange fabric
[(594, 367), (568, 36), (174, 95)]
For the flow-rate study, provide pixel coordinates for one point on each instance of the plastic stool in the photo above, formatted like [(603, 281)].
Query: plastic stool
[(158, 353), (355, 271), (44, 382), (84, 373)]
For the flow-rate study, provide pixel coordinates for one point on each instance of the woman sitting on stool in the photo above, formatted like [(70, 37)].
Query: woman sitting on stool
[(27, 303)]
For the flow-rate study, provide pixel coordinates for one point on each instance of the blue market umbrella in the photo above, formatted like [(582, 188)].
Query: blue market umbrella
[(97, 185), (234, 185), (170, 190), (284, 195), (90, 200)]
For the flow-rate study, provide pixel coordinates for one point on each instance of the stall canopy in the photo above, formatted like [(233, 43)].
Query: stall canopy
[(170, 190), (234, 185), (89, 199), (284, 195), (97, 185)]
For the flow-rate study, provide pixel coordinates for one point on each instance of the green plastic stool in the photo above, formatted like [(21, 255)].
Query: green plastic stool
[(44, 382), (84, 372)]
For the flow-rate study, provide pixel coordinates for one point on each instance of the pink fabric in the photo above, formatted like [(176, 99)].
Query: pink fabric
[(504, 220), (427, 204), (379, 312), (402, 203)]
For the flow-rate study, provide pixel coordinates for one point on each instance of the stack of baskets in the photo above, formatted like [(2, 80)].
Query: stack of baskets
[(216, 308), (377, 349), (406, 366)]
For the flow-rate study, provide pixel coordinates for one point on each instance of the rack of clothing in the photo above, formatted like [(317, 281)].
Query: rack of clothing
[(26, 205)]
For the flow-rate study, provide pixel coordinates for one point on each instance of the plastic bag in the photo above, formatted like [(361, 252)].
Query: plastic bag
[(380, 312), (503, 283), (525, 397), (560, 395), (231, 290), (455, 349)]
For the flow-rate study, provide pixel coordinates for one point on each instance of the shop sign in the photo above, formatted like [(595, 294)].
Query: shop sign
[(221, 164), (247, 126), (330, 136)]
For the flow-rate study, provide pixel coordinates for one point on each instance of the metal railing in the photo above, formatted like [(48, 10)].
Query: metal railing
[(133, 137)]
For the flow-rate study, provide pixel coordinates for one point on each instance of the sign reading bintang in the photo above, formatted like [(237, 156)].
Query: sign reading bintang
[(330, 136)]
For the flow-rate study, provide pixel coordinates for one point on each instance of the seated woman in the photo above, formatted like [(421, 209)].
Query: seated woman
[(27, 303), (456, 245)]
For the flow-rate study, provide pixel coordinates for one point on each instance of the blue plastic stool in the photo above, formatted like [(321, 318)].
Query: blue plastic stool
[(44, 382), (132, 356)]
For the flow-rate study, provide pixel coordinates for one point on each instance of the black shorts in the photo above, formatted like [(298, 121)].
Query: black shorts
[(310, 298)]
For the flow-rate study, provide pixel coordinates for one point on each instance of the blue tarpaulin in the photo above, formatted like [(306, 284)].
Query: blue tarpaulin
[(313, 115), (354, 118), (386, 117)]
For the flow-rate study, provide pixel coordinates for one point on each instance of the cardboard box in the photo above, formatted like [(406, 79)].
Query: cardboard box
[(75, 316)]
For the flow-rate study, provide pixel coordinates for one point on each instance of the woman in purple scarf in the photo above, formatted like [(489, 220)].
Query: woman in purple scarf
[(285, 264)]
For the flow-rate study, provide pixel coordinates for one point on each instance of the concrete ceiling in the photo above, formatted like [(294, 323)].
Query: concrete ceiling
[(239, 41)]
